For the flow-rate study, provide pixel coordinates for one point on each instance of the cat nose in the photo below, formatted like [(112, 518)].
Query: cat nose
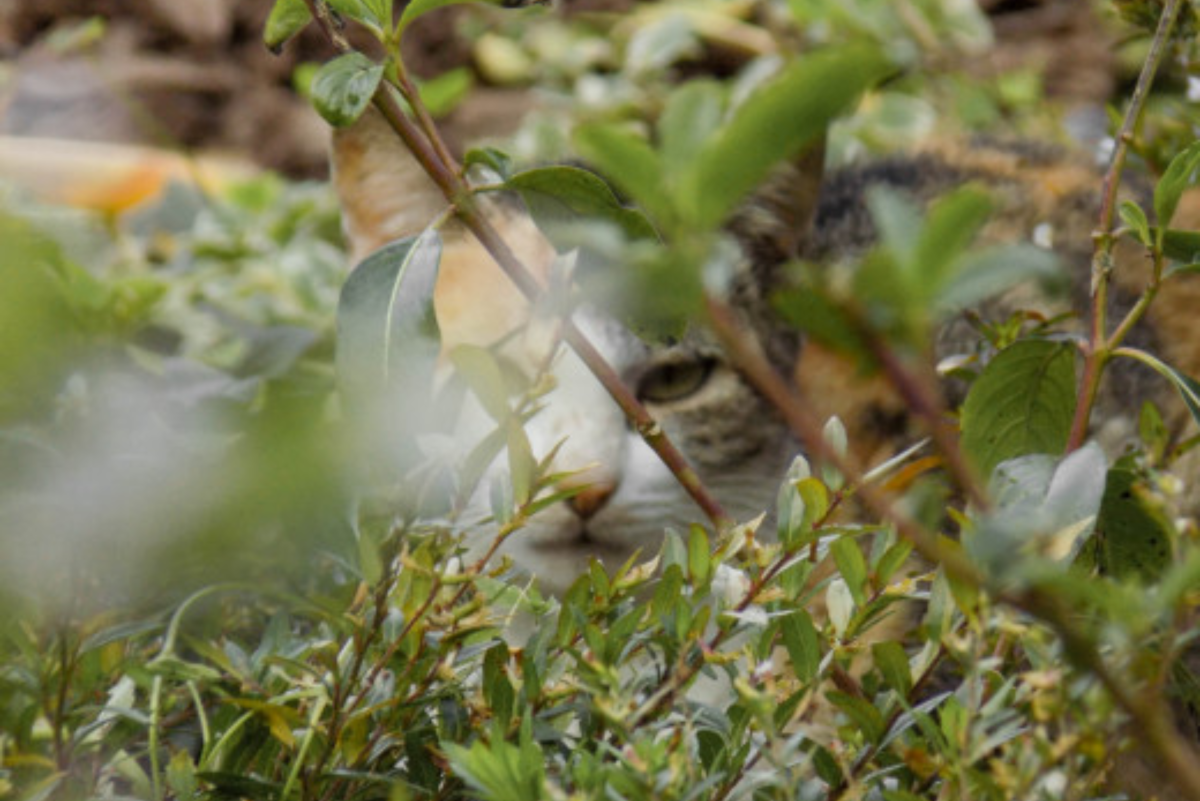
[(592, 498)]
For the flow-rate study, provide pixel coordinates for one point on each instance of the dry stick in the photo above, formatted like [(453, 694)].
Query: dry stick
[(1160, 736), (1099, 348)]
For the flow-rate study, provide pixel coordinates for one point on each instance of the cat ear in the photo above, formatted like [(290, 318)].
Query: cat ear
[(774, 223), (384, 192)]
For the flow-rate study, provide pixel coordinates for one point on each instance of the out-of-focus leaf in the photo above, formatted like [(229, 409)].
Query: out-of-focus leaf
[(629, 161), (1135, 538), (388, 339), (561, 197), (287, 18), (776, 122)]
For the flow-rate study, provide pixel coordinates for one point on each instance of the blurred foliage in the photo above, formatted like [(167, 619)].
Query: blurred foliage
[(200, 599)]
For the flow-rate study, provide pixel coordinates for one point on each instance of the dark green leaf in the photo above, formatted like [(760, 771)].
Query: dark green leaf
[(559, 198), (802, 643), (342, 88), (853, 567), (776, 122), (497, 689), (1135, 537), (861, 712), (1182, 246), (813, 313), (1022, 403), (1180, 174), (892, 662), (629, 162)]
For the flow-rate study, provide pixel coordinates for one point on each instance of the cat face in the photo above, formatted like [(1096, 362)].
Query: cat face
[(735, 444), (733, 441)]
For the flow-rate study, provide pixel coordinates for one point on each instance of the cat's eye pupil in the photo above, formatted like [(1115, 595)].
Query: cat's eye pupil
[(674, 381)]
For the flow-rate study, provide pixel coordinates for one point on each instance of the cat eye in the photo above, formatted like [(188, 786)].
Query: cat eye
[(675, 381)]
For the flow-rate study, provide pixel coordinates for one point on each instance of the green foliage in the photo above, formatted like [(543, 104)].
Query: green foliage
[(210, 589)]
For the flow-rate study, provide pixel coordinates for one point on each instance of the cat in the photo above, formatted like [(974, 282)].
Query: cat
[(739, 447)]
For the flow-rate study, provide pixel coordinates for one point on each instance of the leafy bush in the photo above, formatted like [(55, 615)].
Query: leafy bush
[(214, 588)]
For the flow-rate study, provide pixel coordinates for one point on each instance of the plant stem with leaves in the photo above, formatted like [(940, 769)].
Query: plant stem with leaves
[(1100, 345)]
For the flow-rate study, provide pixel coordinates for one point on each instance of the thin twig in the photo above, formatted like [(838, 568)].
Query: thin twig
[(1098, 349)]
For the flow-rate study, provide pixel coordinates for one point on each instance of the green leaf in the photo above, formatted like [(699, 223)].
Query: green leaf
[(980, 276), (776, 122), (1022, 403), (497, 689), (668, 592), (375, 14), (417, 8), (342, 88), (853, 567), (629, 162), (1183, 246), (892, 662), (692, 114), (823, 319), (951, 224), (1134, 536), (559, 198), (862, 713), (499, 770), (287, 18), (1133, 216), (891, 561), (444, 92), (1188, 388), (699, 557), (898, 220), (1179, 175), (522, 467), (495, 160), (802, 643)]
